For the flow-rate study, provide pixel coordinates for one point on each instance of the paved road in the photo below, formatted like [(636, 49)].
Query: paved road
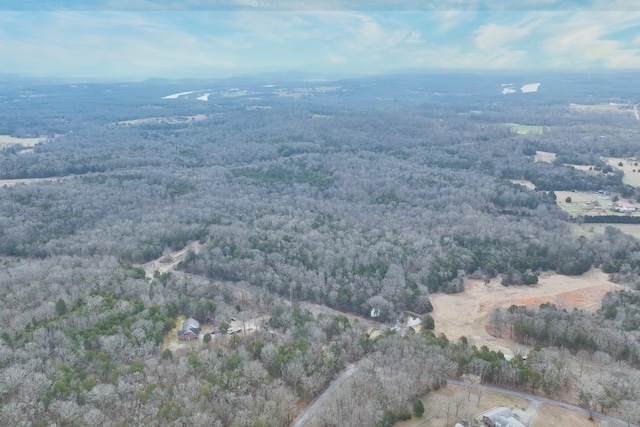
[(311, 410), (538, 399)]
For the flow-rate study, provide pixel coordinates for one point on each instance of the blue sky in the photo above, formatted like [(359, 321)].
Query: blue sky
[(121, 39)]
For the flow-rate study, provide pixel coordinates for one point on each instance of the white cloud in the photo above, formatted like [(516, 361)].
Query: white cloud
[(587, 39), (414, 37), (490, 36), (451, 19)]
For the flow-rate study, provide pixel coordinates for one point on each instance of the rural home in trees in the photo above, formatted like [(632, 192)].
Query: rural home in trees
[(500, 417), (190, 330)]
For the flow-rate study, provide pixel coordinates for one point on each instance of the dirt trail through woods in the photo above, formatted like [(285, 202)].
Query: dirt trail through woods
[(468, 313)]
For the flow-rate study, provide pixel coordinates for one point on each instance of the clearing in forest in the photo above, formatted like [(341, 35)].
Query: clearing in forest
[(631, 169), (467, 314), (10, 182), (545, 156), (8, 141), (168, 262)]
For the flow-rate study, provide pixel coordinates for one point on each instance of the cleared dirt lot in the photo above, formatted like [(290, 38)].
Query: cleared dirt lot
[(467, 313)]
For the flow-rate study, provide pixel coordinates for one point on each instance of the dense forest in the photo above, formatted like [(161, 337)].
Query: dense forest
[(360, 195)]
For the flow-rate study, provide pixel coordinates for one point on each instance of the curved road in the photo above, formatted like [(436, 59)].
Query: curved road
[(312, 409)]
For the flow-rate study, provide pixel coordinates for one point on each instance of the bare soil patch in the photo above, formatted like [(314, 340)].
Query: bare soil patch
[(466, 314)]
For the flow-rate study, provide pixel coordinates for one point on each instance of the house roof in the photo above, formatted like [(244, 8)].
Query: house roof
[(500, 411), (190, 323), (624, 204)]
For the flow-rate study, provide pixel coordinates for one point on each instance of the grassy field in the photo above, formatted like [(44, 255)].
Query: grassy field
[(523, 129), (545, 156), (631, 170)]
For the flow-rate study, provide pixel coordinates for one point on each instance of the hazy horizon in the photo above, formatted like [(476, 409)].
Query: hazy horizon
[(113, 41)]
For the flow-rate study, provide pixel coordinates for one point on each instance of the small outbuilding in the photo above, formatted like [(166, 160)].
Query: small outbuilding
[(190, 330)]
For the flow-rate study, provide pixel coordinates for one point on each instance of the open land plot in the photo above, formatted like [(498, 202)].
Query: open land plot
[(631, 169), (10, 182), (545, 156), (523, 129), (467, 314), (588, 230), (8, 141)]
